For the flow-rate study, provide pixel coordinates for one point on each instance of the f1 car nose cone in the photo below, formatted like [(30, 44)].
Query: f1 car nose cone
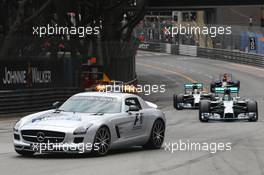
[(40, 136)]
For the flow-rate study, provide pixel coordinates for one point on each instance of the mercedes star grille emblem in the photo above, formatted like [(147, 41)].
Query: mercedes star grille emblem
[(40, 136)]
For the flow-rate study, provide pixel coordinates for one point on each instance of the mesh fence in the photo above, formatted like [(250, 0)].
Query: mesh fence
[(247, 39)]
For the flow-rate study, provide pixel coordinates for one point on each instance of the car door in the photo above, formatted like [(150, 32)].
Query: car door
[(122, 125), (138, 124)]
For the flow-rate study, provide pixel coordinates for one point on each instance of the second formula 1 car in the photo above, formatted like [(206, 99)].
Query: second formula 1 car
[(224, 80), (228, 107), (192, 96)]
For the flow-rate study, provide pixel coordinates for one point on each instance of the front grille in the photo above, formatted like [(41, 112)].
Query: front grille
[(229, 115), (47, 136)]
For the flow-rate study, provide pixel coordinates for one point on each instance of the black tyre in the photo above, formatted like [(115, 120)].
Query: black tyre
[(253, 107), (213, 97), (177, 99), (212, 87), (174, 101), (204, 107), (25, 153), (102, 142), (157, 135), (237, 84)]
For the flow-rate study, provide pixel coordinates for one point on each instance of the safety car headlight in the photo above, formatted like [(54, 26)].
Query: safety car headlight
[(81, 130), (17, 125)]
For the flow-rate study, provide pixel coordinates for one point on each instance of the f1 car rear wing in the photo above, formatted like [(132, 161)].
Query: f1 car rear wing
[(222, 90), (192, 85)]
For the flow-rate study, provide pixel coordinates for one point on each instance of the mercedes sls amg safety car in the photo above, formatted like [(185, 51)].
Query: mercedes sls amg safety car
[(192, 96), (91, 122), (224, 80), (228, 107)]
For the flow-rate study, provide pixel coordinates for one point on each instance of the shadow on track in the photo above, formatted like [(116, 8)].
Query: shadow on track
[(123, 151)]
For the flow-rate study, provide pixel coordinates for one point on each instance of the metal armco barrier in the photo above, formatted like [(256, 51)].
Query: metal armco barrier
[(153, 47), (175, 49), (218, 54), (232, 56), (188, 50), (31, 100)]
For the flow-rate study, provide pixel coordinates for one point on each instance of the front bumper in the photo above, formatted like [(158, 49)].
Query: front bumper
[(53, 147), (68, 145)]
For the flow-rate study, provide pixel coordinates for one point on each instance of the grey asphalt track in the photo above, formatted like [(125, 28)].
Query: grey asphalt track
[(245, 157)]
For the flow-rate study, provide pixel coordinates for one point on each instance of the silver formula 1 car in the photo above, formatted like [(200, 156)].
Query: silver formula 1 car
[(91, 122), (192, 96), (228, 107), (224, 80)]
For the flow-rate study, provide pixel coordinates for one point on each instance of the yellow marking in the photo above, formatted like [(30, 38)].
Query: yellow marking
[(172, 72)]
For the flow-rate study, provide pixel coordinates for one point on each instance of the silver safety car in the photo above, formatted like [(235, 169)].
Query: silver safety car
[(91, 122)]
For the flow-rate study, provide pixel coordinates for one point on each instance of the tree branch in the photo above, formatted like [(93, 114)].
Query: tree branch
[(37, 13)]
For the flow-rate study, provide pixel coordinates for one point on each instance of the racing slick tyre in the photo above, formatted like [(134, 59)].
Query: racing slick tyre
[(213, 97), (24, 153), (177, 99), (237, 84), (156, 136), (204, 107), (253, 107), (102, 141), (212, 87)]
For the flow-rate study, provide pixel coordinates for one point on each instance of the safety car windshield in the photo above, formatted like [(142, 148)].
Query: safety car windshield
[(90, 104)]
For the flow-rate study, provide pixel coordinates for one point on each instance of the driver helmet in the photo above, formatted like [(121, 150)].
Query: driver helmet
[(195, 89), (227, 95), (225, 77)]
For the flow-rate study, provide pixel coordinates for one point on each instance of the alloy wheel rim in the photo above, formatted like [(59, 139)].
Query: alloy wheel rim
[(158, 133), (102, 140)]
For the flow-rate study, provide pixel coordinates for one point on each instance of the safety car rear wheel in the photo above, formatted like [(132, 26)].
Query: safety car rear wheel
[(156, 136)]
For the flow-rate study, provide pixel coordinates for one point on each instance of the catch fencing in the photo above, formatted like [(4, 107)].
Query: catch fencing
[(31, 100), (217, 54)]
